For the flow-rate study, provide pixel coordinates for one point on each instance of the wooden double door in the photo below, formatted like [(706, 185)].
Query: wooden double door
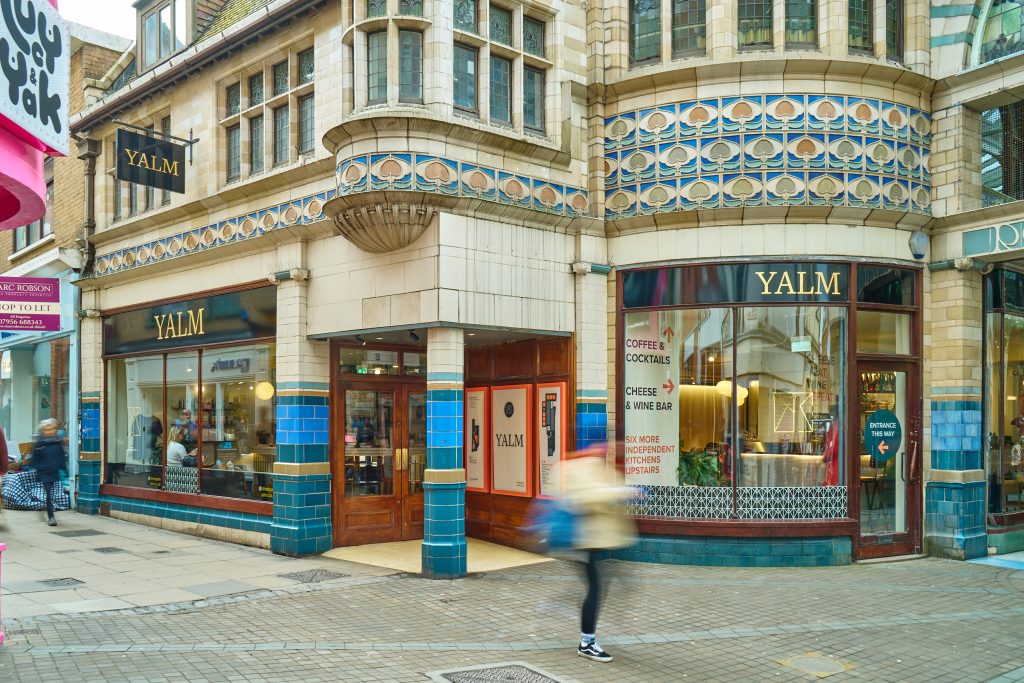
[(380, 457)]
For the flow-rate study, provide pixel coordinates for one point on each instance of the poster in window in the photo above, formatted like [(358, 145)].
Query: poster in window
[(550, 437), (511, 440), (651, 400), (477, 439)]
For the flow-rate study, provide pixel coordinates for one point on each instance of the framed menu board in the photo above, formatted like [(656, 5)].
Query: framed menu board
[(550, 412), (511, 440), (478, 439)]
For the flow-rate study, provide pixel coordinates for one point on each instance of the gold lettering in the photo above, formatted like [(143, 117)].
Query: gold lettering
[(784, 281), (169, 331), (131, 156), (831, 286), (195, 322), (159, 320), (169, 167), (144, 164), (764, 281), (801, 275)]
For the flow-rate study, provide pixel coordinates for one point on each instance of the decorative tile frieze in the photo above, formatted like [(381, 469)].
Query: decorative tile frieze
[(767, 150), (432, 173), (240, 228)]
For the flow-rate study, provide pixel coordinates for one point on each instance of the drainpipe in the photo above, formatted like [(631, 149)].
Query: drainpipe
[(88, 151)]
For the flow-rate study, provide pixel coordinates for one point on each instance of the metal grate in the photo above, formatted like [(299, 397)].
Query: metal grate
[(109, 550), (61, 583), (1002, 154), (78, 533), (515, 672), (313, 576)]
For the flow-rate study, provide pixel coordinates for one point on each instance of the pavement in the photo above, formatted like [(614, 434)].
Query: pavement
[(121, 602)]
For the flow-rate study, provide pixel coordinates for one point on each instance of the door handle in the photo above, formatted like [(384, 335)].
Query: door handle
[(401, 459)]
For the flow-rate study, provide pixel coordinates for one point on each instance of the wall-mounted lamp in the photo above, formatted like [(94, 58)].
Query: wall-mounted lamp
[(725, 389), (918, 243), (412, 335), (264, 391)]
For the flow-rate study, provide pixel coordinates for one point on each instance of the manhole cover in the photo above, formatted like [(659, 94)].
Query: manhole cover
[(816, 665), (109, 550), (312, 576), (60, 583), (77, 533), (516, 672)]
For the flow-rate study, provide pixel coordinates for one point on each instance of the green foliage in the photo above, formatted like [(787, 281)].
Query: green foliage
[(699, 468)]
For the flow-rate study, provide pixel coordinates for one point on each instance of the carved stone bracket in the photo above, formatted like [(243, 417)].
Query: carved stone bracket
[(383, 222)]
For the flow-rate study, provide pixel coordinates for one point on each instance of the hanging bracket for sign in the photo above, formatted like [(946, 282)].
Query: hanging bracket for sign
[(167, 136)]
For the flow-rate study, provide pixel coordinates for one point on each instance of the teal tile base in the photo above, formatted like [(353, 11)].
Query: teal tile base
[(88, 500), (1007, 539), (444, 530), (302, 515), (740, 552), (954, 520), (185, 513)]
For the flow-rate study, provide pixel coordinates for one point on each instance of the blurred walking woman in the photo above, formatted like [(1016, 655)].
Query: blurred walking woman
[(595, 494), (48, 459)]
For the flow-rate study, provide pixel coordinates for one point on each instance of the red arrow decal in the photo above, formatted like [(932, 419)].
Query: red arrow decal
[(668, 386), (669, 332)]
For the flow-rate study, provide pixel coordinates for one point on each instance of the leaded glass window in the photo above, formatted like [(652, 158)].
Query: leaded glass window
[(256, 89), (1001, 34), (307, 125), (689, 27), (533, 36), (234, 152), (755, 24), (410, 61), (533, 98), (501, 25), (801, 23), (306, 66), (644, 30), (376, 8), (133, 199), (281, 151), (280, 78), (465, 15), (412, 8), (860, 27), (377, 66), (256, 144), (465, 77), (894, 30), (234, 98), (501, 90)]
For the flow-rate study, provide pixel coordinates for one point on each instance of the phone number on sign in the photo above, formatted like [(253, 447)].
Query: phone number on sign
[(22, 322)]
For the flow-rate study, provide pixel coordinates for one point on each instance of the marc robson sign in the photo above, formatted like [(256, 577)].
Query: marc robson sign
[(145, 160), (882, 435), (29, 304)]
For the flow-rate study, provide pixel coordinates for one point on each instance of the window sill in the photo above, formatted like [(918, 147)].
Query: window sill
[(32, 247)]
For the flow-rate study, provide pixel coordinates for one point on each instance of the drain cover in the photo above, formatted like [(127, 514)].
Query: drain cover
[(816, 665), (312, 576), (109, 550), (514, 672), (61, 583), (77, 533)]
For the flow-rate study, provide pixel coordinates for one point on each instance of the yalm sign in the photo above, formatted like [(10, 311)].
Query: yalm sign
[(29, 304)]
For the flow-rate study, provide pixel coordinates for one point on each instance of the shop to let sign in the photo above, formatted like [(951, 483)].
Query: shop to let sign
[(29, 304), (883, 435)]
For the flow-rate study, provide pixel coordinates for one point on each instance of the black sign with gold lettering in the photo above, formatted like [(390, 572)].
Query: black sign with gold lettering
[(236, 316), (148, 161)]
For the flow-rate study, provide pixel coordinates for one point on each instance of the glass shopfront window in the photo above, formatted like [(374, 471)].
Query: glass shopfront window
[(33, 387), (1004, 390)]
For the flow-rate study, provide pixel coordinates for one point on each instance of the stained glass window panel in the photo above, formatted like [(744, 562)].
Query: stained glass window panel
[(801, 23), (533, 98), (256, 144), (894, 30), (256, 89), (234, 152), (1001, 35), (281, 151), (755, 24), (465, 15), (860, 27), (377, 66), (501, 90), (376, 8), (533, 36), (412, 8), (233, 99), (307, 126), (644, 31), (689, 28), (281, 77), (501, 25), (306, 66), (410, 72)]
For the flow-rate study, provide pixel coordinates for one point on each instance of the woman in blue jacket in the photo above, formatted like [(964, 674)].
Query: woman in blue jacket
[(48, 459)]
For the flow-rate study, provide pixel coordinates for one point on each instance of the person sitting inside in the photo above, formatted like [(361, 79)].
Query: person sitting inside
[(190, 429), (176, 451)]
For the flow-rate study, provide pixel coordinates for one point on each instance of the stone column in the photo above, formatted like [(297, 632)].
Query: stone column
[(90, 456), (591, 347), (954, 524), (302, 479), (444, 481)]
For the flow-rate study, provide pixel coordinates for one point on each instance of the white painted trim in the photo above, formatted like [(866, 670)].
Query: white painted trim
[(32, 247)]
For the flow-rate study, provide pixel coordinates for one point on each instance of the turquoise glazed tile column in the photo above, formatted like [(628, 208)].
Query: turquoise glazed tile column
[(90, 455), (302, 478), (444, 481), (591, 347)]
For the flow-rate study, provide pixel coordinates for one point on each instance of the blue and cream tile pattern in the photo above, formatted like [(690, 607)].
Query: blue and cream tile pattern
[(247, 226), (244, 521), (444, 508), (767, 150), (591, 422), (740, 552), (435, 174), (90, 467)]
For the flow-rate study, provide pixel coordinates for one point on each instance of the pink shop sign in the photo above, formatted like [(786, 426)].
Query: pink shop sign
[(29, 304)]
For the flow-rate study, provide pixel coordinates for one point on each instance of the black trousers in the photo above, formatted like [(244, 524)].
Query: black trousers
[(590, 603), (49, 500)]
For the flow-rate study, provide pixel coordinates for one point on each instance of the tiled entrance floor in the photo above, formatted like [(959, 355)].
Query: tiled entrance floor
[(405, 556)]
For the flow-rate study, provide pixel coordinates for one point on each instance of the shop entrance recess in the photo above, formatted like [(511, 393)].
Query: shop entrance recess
[(381, 439), (888, 460)]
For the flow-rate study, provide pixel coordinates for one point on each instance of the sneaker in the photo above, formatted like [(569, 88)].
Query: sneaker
[(594, 651), (52, 522)]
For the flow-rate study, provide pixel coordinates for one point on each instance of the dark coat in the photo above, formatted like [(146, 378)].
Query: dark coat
[(49, 458)]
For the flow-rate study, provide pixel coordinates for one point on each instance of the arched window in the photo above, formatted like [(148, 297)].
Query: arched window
[(689, 27), (861, 12), (644, 31), (1001, 30), (755, 24), (801, 24), (894, 30)]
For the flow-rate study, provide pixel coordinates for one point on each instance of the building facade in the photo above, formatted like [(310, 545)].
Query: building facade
[(424, 249)]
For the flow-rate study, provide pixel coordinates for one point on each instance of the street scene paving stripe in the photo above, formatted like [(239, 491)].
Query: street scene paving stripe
[(511, 646)]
